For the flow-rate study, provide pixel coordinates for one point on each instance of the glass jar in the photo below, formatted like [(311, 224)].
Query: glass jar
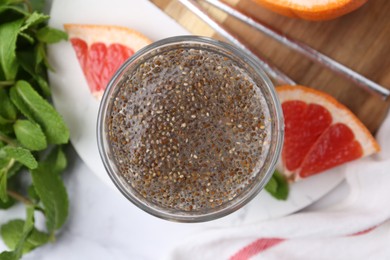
[(175, 159)]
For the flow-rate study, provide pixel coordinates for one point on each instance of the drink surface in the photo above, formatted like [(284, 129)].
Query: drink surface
[(189, 129)]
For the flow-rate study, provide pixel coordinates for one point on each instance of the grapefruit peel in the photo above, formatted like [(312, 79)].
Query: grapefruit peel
[(316, 10)]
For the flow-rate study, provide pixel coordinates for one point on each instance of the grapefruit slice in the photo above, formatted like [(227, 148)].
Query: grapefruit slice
[(320, 133), (101, 50), (312, 9)]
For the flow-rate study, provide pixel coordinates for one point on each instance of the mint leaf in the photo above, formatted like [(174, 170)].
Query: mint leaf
[(56, 160), (6, 255), (4, 121), (6, 129), (3, 185), (14, 169), (26, 36), (21, 155), (5, 165), (44, 85), (29, 61), (32, 193), (278, 186), (37, 109), (26, 231), (4, 162), (8, 110), (30, 135), (26, 60), (37, 5), (11, 13), (283, 189), (7, 8), (12, 231), (52, 192), (51, 35), (34, 19), (41, 55), (7, 204), (272, 186), (8, 35)]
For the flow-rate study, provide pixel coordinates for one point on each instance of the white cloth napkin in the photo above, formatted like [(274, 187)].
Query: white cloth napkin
[(356, 228)]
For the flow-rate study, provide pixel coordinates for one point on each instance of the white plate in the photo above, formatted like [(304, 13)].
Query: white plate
[(73, 100)]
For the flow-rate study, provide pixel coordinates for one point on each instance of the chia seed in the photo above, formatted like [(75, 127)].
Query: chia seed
[(188, 129)]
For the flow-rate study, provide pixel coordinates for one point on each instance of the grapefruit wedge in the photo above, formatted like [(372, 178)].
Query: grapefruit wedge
[(101, 50), (312, 9), (320, 133)]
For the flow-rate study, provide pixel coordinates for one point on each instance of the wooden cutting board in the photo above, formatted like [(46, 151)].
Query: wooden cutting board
[(360, 40)]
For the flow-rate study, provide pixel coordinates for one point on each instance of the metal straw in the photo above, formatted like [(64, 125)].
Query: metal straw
[(271, 70), (305, 50)]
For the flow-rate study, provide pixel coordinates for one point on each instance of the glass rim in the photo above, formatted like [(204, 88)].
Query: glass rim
[(244, 197)]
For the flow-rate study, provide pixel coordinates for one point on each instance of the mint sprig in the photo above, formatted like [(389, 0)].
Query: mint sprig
[(277, 186), (31, 130)]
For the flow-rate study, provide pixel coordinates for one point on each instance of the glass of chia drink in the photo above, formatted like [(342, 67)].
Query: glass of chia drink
[(190, 129)]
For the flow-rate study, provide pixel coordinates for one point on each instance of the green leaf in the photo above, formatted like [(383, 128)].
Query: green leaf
[(272, 185), (26, 36), (7, 139), (52, 193), (41, 56), (11, 3), (282, 190), (6, 205), (37, 109), (12, 232), (34, 19), (44, 85), (37, 5), (5, 164), (56, 160), (29, 60), (14, 169), (6, 129), (3, 185), (8, 110), (8, 35), (40, 53), (21, 155), (26, 60), (26, 231), (30, 135), (11, 12), (32, 193), (51, 35), (4, 121), (6, 255)]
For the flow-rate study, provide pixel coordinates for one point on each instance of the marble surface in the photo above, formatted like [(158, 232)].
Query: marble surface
[(104, 225)]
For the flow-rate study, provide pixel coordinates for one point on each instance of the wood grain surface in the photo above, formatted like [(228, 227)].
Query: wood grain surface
[(360, 40)]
